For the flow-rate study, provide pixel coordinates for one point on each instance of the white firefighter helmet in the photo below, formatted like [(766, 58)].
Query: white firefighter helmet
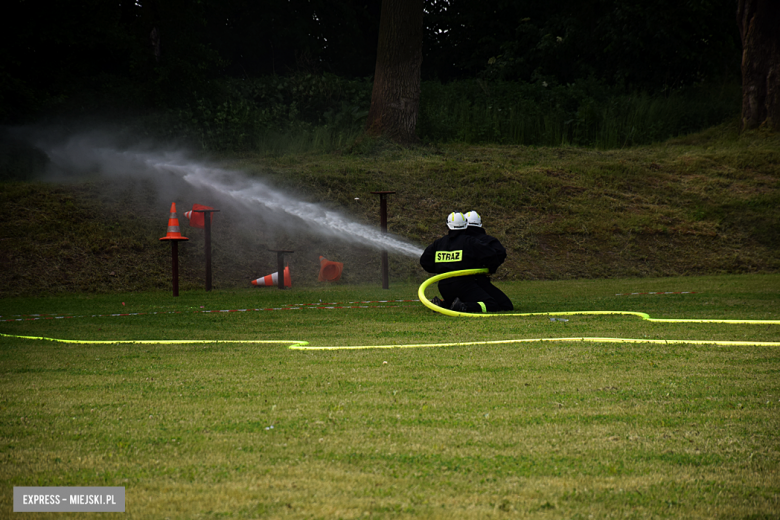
[(456, 220), (473, 219)]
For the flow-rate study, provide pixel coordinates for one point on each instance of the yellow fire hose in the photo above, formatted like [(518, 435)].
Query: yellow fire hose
[(303, 345), (448, 312)]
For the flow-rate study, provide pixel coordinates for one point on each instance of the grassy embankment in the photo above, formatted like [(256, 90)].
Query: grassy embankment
[(537, 430), (703, 204)]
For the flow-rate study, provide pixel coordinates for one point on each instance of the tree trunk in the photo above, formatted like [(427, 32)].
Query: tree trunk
[(759, 27), (395, 99)]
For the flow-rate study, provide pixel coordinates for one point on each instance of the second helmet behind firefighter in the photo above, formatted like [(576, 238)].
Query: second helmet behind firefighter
[(464, 248)]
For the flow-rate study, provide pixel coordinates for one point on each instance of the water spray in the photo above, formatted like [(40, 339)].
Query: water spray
[(325, 222), (82, 154)]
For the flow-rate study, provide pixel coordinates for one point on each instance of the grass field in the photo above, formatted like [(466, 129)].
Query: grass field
[(565, 429)]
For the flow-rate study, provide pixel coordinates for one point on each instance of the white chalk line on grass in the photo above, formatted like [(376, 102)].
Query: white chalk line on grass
[(288, 307)]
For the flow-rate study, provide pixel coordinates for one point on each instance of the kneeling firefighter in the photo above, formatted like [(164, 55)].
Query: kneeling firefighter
[(459, 250)]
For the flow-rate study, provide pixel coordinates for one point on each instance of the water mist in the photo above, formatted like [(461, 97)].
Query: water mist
[(92, 154)]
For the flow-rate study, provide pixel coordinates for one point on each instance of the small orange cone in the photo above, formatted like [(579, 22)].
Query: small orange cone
[(330, 271), (196, 217), (174, 233), (273, 279)]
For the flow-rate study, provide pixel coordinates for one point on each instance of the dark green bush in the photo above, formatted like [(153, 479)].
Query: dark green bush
[(585, 113), (325, 110)]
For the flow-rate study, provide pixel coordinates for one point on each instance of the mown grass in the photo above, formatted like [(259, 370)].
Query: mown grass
[(539, 430)]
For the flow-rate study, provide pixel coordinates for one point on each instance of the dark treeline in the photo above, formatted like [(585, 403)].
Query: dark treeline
[(188, 57)]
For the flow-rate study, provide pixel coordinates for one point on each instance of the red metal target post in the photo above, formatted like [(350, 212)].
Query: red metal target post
[(280, 265), (207, 236), (174, 237)]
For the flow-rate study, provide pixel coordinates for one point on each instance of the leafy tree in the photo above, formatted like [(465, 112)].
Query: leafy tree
[(90, 54), (639, 44), (53, 50)]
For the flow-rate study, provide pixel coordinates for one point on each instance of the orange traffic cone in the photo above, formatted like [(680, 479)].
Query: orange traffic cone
[(174, 233), (196, 217), (329, 271), (273, 279)]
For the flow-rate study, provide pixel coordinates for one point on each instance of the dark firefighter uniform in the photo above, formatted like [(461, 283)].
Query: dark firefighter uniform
[(465, 249)]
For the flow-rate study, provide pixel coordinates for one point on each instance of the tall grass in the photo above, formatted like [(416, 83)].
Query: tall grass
[(511, 113), (321, 113)]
